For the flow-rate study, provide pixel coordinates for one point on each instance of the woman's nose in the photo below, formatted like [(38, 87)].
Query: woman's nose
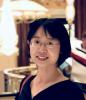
[(43, 47), (43, 44)]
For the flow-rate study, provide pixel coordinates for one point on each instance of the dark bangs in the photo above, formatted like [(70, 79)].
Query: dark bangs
[(33, 27)]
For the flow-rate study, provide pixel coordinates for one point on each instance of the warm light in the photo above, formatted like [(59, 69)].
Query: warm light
[(26, 5), (70, 11), (70, 2), (27, 9), (8, 35), (70, 14)]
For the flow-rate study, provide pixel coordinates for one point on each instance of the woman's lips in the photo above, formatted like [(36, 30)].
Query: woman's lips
[(42, 58)]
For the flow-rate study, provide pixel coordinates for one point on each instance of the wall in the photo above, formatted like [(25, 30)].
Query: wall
[(6, 62), (1, 1)]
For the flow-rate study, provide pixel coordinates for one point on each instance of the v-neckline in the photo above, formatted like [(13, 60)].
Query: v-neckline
[(58, 83)]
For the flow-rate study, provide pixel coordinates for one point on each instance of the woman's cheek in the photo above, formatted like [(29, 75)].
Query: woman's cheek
[(33, 53)]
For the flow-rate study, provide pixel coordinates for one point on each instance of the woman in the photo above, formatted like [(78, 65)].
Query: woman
[(49, 47)]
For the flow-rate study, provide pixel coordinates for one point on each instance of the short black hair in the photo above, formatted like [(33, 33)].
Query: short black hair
[(56, 30)]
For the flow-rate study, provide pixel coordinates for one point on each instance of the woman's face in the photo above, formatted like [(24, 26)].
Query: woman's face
[(44, 50)]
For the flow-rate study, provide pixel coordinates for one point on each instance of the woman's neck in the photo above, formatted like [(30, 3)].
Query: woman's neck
[(46, 75)]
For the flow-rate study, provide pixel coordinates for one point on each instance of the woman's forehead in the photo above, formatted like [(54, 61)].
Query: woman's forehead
[(41, 32)]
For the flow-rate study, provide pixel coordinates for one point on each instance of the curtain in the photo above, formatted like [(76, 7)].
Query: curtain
[(80, 18), (22, 30)]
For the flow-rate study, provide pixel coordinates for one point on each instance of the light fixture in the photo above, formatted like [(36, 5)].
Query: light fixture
[(26, 9), (8, 35), (70, 13)]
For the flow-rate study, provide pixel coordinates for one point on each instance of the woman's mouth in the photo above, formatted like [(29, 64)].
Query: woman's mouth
[(42, 58)]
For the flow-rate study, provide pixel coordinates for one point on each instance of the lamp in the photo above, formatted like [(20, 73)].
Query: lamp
[(8, 35), (70, 13), (27, 9)]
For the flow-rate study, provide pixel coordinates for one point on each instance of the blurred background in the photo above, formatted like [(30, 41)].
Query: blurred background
[(15, 16)]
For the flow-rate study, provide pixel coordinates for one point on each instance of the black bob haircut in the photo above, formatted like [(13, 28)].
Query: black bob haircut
[(56, 30)]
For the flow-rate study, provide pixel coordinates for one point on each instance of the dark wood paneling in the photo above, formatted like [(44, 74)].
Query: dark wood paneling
[(80, 17)]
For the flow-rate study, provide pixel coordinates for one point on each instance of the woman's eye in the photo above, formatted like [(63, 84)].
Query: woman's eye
[(37, 41), (50, 43)]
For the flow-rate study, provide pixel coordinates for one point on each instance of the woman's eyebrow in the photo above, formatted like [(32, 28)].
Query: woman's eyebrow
[(36, 37), (49, 38), (52, 38)]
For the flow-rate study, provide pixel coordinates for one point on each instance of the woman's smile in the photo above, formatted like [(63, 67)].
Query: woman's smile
[(42, 58)]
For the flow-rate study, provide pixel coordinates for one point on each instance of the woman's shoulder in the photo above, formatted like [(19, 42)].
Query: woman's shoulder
[(70, 90), (26, 81), (69, 84)]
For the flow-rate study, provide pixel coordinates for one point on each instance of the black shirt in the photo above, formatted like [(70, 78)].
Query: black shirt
[(65, 90)]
